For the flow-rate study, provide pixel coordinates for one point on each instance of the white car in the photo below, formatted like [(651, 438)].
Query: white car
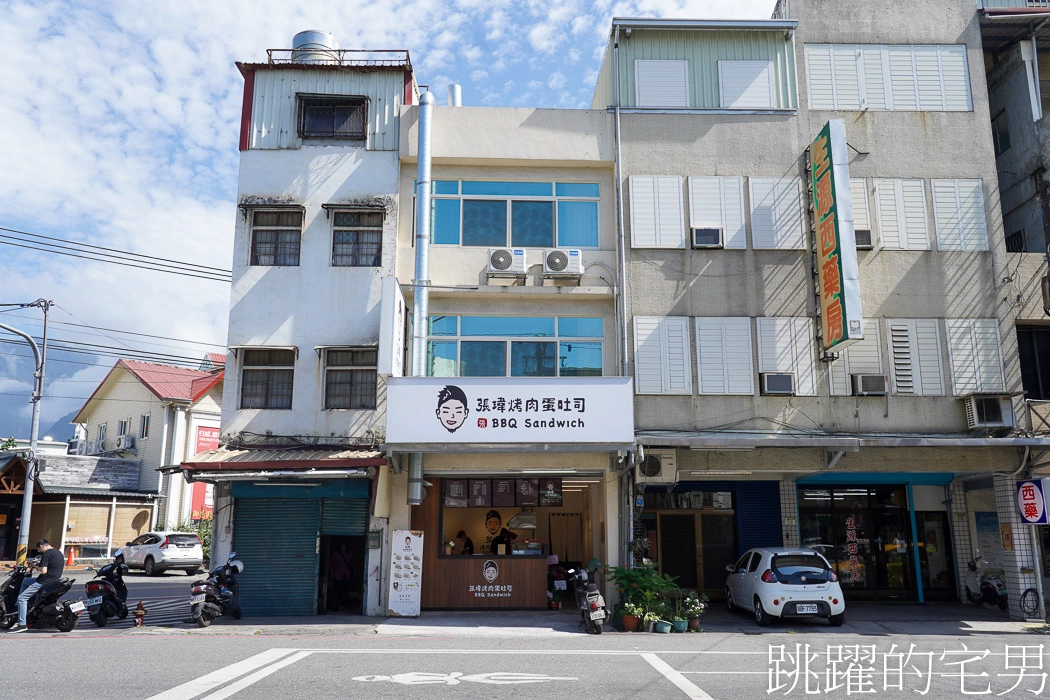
[(781, 582), (155, 552)]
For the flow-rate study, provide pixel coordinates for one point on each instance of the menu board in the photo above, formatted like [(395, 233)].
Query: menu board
[(455, 493), (503, 493), (550, 492), (480, 493), (406, 573), (528, 492)]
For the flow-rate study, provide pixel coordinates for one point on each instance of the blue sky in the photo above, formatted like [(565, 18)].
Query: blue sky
[(119, 123)]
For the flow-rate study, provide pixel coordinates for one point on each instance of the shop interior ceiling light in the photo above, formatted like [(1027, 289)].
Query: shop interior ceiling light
[(722, 472), (723, 448), (548, 471)]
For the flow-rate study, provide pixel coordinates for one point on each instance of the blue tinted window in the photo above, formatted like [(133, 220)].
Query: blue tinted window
[(580, 359), (532, 224), (441, 358), (533, 359), (578, 224), (571, 327), (509, 189), (533, 327), (445, 221), (445, 187), (443, 325), (483, 359), (576, 189), (484, 223)]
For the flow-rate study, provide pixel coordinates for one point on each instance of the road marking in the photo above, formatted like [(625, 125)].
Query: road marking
[(516, 652), (683, 683), (256, 677), (213, 680), (457, 677)]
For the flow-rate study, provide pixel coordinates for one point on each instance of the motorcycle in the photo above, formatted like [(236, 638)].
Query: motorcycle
[(988, 589), (217, 595), (44, 608), (107, 594), (589, 600)]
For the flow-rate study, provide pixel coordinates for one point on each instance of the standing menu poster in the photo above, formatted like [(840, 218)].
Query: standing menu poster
[(406, 573)]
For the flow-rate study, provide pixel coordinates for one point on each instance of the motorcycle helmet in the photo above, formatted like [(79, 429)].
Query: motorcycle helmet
[(594, 564), (118, 556), (237, 566)]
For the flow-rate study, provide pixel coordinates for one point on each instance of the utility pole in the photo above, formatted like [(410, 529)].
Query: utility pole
[(40, 357)]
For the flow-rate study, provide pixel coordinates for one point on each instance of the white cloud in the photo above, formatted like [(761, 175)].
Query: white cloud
[(556, 81), (479, 75)]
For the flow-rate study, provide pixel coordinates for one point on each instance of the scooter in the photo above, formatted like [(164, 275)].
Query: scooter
[(107, 594), (44, 608), (988, 589), (589, 600), (217, 595)]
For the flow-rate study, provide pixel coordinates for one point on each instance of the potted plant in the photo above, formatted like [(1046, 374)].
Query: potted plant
[(679, 623), (649, 621), (662, 625), (693, 606), (631, 615), (554, 593), (448, 547)]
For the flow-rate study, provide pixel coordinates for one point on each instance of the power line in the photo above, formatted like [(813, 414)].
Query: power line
[(114, 330), (138, 356)]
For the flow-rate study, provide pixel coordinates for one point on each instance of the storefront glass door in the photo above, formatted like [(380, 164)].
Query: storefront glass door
[(935, 556)]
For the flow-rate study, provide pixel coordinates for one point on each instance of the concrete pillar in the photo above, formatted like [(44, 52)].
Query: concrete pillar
[(1021, 567), (222, 525), (400, 519), (960, 524)]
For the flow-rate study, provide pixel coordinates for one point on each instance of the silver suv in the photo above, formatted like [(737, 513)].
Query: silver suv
[(155, 552)]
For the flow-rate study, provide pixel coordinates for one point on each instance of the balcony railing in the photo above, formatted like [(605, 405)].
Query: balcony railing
[(354, 58), (1038, 417), (1012, 3)]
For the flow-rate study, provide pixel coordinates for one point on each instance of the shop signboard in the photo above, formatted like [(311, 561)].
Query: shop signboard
[(841, 321), (455, 493), (1031, 500), (406, 573), (202, 500), (528, 492), (503, 493), (480, 493), (458, 410)]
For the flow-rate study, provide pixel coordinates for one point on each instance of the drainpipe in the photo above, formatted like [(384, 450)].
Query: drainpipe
[(1035, 74), (421, 283), (621, 243)]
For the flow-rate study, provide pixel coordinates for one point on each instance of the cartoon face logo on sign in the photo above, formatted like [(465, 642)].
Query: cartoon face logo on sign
[(452, 408), (490, 570)]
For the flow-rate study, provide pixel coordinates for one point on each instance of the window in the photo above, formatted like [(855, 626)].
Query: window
[(745, 84), (661, 83), (266, 379), (101, 434), (718, 203), (332, 117), (723, 356), (656, 212), (788, 344), (144, 427), (915, 356), (958, 209), (516, 214), (661, 355), (123, 426), (776, 213), (862, 357), (1033, 350), (514, 346), (350, 378), (858, 189), (880, 77), (357, 238), (1000, 133), (275, 237), (1015, 242), (901, 207), (976, 356)]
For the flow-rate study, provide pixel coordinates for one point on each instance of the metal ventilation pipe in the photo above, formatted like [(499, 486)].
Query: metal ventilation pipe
[(421, 283), (455, 95)]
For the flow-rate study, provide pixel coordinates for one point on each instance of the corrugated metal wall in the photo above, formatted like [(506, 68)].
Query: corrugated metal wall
[(274, 109), (703, 50)]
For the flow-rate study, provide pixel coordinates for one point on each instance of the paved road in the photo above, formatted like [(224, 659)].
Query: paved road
[(165, 597)]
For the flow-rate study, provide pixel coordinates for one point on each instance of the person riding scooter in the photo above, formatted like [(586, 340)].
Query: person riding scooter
[(50, 567)]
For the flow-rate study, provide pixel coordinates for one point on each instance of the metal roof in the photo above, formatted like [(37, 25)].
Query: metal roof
[(166, 382), (1002, 27), (224, 458), (705, 24), (745, 440), (101, 493), (476, 447)]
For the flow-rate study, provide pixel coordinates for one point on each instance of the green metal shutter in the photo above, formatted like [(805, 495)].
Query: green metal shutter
[(276, 539), (344, 516)]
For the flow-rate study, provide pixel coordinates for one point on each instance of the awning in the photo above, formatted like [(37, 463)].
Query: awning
[(98, 493), (1003, 26), (501, 447), (752, 440), (225, 464)]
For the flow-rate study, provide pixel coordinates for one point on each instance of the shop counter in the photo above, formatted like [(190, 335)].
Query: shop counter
[(479, 581)]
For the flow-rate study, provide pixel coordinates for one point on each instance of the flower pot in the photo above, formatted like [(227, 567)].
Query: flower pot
[(630, 622), (680, 625), (694, 623), (662, 627), (448, 551), (649, 625), (554, 604)]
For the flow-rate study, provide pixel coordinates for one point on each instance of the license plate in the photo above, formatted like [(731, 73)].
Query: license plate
[(76, 607), (597, 614), (90, 602), (806, 608), (201, 598)]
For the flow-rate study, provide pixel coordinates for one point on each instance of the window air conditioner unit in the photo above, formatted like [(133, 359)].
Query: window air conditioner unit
[(863, 238), (707, 238), (658, 467), (778, 384), (989, 412), (868, 384), (563, 261), (126, 442), (507, 261)]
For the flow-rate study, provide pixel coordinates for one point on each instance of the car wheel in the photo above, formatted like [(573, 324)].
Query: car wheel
[(729, 601), (761, 616), (150, 567), (837, 620)]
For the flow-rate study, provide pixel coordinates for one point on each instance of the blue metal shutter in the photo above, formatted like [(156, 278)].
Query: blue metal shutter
[(758, 514), (276, 539), (344, 516)]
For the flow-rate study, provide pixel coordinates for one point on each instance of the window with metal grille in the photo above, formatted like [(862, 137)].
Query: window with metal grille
[(332, 117), (350, 378), (1015, 242), (266, 378), (357, 238), (1033, 352), (275, 238), (1000, 133)]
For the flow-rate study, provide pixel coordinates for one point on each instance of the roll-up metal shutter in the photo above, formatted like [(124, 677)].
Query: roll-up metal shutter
[(758, 514), (344, 516), (276, 539)]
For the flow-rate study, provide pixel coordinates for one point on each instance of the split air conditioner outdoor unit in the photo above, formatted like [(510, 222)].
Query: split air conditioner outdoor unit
[(95, 447), (507, 261), (778, 384), (868, 384), (563, 261), (125, 442), (658, 467), (989, 412), (707, 237)]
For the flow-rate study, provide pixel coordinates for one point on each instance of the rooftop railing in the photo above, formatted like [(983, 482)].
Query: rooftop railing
[(353, 58)]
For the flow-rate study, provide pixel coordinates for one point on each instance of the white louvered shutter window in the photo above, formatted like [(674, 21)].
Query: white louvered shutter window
[(661, 83), (788, 344), (875, 73), (928, 78), (846, 73), (976, 356), (901, 206), (657, 219), (902, 78), (661, 355), (862, 357), (955, 79), (776, 213), (958, 208), (818, 75), (723, 356), (718, 202), (858, 191), (745, 84), (915, 357)]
